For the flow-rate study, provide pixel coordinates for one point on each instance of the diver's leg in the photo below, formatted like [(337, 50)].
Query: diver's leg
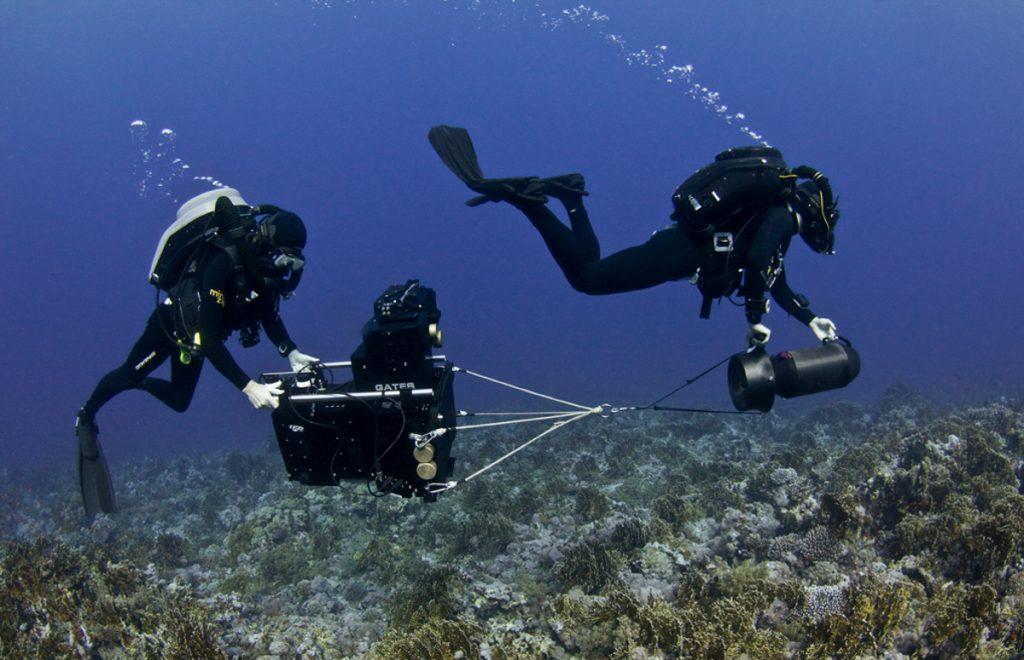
[(579, 220), (149, 352), (177, 392), (97, 490), (571, 250), (668, 255), (569, 189)]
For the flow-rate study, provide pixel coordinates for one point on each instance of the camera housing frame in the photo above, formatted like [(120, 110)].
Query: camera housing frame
[(392, 425)]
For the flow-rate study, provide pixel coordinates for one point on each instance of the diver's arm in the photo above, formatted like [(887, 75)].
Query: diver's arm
[(777, 227), (798, 307), (794, 304), (273, 325), (213, 298)]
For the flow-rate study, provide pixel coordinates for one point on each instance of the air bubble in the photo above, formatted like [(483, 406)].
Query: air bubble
[(158, 171), (653, 59)]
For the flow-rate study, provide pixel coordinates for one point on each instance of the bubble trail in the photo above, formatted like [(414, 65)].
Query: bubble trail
[(157, 169), (655, 59)]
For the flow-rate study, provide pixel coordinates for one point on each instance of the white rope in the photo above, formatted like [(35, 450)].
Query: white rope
[(492, 464), (463, 413), (486, 425), (562, 419), (588, 409)]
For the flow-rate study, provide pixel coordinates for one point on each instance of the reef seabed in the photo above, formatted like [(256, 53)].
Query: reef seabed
[(893, 530)]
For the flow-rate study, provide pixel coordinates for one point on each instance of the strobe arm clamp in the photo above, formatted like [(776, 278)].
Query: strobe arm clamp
[(421, 440)]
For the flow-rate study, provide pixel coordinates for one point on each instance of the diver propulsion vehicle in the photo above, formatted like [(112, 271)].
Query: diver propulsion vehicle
[(392, 424), (755, 378)]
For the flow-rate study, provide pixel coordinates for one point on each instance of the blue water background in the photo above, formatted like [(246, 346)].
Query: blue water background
[(912, 109)]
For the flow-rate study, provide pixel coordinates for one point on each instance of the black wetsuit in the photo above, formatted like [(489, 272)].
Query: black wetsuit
[(221, 312), (671, 254)]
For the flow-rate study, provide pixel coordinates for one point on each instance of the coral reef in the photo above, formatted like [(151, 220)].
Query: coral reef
[(894, 530), (58, 602)]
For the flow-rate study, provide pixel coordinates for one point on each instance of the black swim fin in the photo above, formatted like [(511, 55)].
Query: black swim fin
[(455, 148), (456, 151), (93, 474), (512, 189)]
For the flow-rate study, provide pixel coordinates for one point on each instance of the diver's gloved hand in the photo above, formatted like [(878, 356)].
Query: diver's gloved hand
[(823, 329), (516, 190), (300, 361), (263, 395), (758, 334)]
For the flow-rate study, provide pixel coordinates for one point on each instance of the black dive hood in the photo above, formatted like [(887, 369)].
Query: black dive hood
[(755, 377), (818, 209)]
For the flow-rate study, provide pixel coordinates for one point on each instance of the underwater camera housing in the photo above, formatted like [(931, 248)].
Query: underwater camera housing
[(393, 423), (755, 377)]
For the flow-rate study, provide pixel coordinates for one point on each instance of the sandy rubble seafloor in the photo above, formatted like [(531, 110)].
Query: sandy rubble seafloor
[(891, 530)]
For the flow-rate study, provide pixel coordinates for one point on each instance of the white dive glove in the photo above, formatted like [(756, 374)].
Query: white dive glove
[(300, 361), (263, 395), (758, 334), (823, 329)]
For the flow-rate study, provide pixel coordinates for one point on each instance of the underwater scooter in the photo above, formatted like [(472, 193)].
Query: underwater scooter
[(755, 377)]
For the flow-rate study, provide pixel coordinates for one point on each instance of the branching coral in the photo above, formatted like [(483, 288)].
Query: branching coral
[(591, 503), (426, 595), (815, 544), (56, 601), (483, 534), (715, 619), (589, 566), (631, 534), (676, 510), (873, 613), (959, 616), (436, 639)]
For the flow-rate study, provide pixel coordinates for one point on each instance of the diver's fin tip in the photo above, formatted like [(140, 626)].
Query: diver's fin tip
[(455, 149), (93, 474)]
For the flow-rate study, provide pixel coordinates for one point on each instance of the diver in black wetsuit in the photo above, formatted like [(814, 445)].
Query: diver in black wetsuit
[(752, 264), (672, 254), (214, 299)]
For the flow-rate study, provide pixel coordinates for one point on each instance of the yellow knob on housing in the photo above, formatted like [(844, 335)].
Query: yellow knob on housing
[(423, 454), (426, 471), (436, 336)]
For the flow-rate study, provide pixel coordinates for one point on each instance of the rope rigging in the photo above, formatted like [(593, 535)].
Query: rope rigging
[(559, 418)]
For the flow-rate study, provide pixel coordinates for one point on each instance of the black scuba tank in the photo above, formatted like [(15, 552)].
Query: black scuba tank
[(755, 378), (742, 178)]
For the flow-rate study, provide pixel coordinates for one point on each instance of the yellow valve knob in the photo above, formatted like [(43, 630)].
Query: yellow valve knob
[(436, 336), (423, 454), (426, 471)]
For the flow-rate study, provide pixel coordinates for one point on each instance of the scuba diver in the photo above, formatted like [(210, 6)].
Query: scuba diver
[(225, 266), (734, 220)]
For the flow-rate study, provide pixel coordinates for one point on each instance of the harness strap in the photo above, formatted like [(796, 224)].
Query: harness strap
[(705, 306)]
